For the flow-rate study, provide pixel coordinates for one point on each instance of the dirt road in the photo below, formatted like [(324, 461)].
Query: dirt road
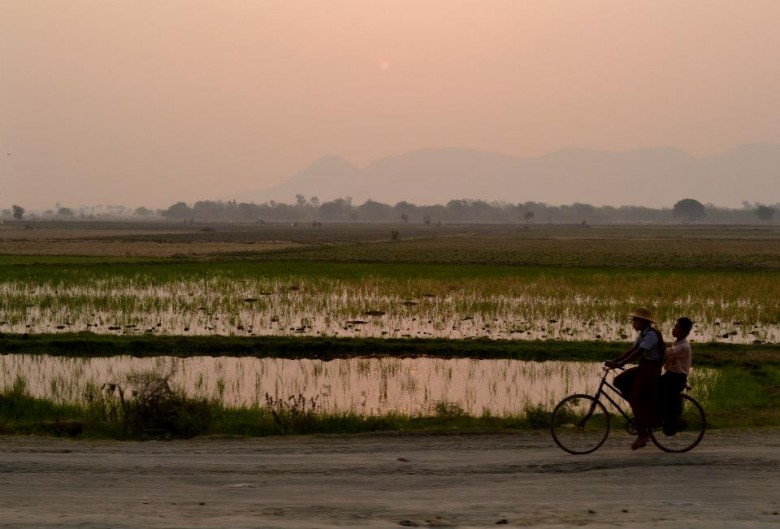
[(730, 480)]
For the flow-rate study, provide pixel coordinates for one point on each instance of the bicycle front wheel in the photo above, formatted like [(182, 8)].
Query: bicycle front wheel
[(685, 435), (579, 424)]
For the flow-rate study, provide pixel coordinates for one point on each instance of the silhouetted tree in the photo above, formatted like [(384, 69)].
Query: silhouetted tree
[(689, 210), (65, 213), (765, 213), (179, 210), (143, 212), (306, 209), (210, 210), (338, 209), (372, 210), (405, 210), (18, 212)]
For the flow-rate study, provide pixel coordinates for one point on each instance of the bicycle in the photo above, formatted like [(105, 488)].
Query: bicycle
[(580, 423)]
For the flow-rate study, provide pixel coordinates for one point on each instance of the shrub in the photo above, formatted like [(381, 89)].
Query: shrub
[(152, 410), (537, 417), (295, 414)]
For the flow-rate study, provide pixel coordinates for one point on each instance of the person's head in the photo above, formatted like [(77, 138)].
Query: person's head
[(641, 318), (682, 328)]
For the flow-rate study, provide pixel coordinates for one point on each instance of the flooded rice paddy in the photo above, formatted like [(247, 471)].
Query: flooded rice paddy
[(543, 308), (365, 386)]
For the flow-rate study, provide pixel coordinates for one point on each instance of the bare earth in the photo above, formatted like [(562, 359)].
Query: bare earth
[(730, 480), (106, 242)]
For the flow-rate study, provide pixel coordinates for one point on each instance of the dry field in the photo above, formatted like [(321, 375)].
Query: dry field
[(118, 242), (721, 247)]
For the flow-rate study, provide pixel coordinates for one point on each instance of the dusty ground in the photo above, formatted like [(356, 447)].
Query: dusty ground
[(122, 243), (388, 481)]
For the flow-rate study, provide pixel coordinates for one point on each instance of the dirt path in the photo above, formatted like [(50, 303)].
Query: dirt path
[(388, 481)]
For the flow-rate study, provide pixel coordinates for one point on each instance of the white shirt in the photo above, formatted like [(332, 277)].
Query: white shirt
[(677, 358)]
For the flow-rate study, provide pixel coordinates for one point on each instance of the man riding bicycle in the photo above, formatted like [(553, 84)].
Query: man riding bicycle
[(639, 385)]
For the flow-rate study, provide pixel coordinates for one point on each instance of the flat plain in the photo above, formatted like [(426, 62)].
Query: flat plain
[(379, 298), (322, 291)]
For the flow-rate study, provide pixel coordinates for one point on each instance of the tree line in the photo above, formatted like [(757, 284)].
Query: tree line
[(476, 211), (479, 211)]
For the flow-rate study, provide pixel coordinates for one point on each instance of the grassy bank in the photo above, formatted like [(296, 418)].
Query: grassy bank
[(742, 397), (87, 345)]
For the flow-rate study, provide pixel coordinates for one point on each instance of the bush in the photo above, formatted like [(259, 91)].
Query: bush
[(153, 409), (296, 414), (537, 417)]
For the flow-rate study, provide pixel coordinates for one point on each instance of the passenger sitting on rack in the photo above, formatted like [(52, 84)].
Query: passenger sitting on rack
[(677, 367)]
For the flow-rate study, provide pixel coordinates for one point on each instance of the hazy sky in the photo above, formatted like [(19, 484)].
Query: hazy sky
[(149, 102)]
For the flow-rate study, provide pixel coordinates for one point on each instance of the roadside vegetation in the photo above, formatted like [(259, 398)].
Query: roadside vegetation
[(526, 292), (153, 409)]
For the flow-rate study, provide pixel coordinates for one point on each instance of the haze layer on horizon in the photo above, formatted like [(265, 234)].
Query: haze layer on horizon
[(149, 102)]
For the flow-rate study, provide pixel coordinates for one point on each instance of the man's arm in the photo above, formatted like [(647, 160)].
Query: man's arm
[(623, 359)]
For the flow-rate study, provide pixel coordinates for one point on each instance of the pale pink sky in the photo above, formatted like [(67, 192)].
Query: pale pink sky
[(147, 102)]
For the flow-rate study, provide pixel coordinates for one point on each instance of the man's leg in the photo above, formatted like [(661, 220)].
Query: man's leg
[(625, 381), (673, 385), (644, 400)]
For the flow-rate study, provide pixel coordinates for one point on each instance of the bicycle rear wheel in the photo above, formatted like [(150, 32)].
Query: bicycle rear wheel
[(579, 424), (691, 431)]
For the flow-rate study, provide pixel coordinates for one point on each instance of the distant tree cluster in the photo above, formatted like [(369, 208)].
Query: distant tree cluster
[(689, 210), (111, 212), (17, 212), (310, 210), (476, 211)]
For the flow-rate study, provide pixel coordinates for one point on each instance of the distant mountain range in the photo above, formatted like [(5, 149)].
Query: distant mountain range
[(651, 177)]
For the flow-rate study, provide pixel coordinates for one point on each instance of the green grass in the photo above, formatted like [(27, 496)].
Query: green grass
[(212, 295), (746, 396), (742, 397), (724, 277), (87, 345)]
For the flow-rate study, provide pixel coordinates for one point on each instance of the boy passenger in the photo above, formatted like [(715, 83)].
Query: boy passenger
[(677, 367)]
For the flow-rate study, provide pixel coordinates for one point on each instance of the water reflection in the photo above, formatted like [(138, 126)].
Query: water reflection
[(366, 386)]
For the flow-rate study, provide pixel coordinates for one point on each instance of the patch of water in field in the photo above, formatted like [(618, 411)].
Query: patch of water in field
[(367, 386), (241, 308)]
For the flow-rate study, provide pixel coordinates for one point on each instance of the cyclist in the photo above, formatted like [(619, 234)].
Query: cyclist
[(639, 385), (677, 366)]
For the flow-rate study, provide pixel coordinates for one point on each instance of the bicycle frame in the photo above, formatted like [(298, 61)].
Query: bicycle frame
[(582, 436), (601, 392)]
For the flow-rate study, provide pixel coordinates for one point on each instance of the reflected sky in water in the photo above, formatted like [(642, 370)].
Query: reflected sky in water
[(368, 386)]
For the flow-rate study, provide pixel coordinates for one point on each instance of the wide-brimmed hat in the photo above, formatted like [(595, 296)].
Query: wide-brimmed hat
[(643, 314)]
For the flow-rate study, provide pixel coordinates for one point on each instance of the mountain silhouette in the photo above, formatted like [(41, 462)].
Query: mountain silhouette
[(650, 177)]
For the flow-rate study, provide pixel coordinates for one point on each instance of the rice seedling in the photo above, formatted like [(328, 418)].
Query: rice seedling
[(581, 305)]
